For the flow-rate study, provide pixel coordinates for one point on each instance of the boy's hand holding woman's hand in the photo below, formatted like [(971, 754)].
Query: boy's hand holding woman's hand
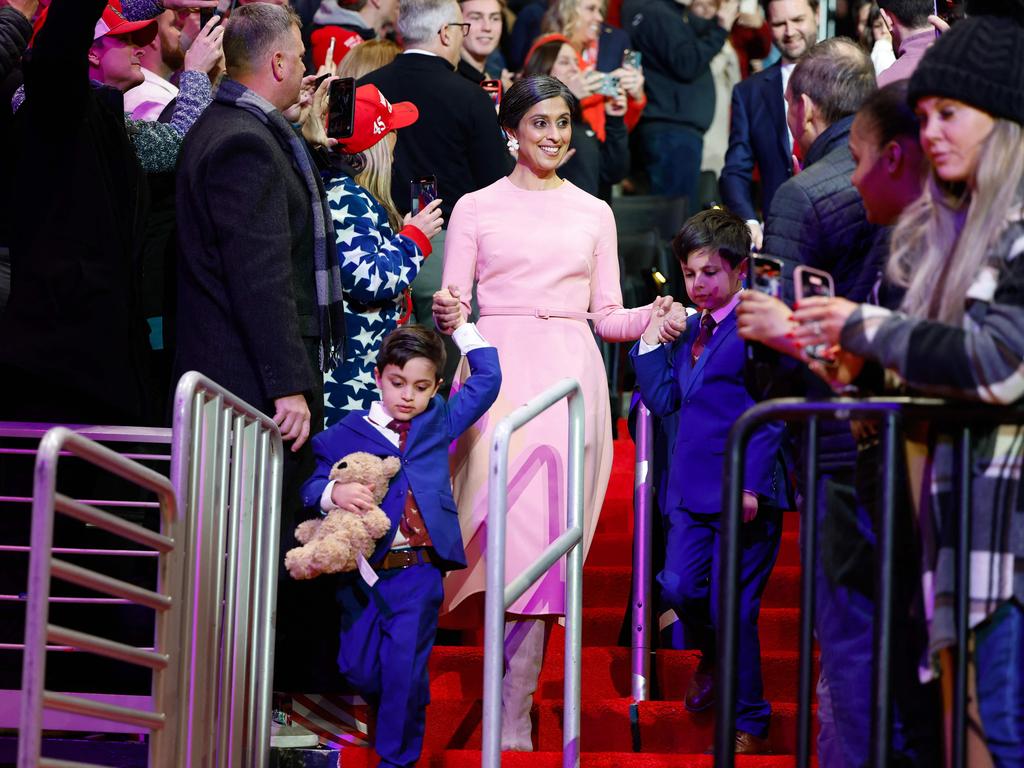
[(447, 309), (667, 321)]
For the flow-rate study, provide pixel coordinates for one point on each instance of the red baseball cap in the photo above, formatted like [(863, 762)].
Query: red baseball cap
[(344, 41), (113, 22), (375, 117)]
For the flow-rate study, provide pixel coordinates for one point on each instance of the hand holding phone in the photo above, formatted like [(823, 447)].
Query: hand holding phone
[(341, 108), (808, 282), (764, 274), (494, 89)]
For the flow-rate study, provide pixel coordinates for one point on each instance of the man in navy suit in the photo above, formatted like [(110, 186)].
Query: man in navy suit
[(390, 606), (758, 134), (700, 377)]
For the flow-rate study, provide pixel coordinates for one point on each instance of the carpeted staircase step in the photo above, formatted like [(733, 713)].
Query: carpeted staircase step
[(457, 673), (611, 548), (469, 758), (609, 585), (778, 627), (605, 725)]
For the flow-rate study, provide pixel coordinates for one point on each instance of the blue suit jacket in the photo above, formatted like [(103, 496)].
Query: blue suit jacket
[(424, 462), (757, 135), (708, 397)]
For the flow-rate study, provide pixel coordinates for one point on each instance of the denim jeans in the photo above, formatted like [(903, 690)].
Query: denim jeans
[(999, 661)]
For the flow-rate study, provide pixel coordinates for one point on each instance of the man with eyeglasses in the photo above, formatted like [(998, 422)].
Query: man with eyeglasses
[(456, 138)]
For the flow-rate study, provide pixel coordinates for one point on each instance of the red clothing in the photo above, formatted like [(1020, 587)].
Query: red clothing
[(750, 43)]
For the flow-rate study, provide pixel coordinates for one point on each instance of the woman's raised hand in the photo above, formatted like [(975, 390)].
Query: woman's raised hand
[(447, 309), (429, 220)]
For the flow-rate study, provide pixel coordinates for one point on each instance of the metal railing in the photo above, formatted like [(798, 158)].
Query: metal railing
[(643, 509), (38, 631), (958, 419), (213, 654), (226, 469), (500, 596)]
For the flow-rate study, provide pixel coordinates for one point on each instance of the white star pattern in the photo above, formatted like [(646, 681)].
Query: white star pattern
[(376, 267)]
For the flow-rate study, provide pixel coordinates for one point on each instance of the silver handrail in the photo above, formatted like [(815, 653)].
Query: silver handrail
[(643, 505), (226, 469), (500, 596), (38, 631)]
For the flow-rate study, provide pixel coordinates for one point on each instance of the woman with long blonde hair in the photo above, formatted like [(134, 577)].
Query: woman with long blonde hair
[(379, 251)]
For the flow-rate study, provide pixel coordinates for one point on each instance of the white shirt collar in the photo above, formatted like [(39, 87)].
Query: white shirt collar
[(420, 51), (723, 312)]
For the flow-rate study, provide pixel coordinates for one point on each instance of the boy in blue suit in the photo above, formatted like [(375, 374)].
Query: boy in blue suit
[(699, 376), (390, 606)]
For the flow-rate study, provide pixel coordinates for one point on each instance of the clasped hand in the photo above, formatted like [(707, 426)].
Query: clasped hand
[(448, 311)]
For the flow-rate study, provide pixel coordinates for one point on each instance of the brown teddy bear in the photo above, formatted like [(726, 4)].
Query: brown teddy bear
[(333, 543)]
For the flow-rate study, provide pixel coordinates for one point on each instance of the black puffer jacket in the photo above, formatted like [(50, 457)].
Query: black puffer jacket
[(15, 32), (817, 218)]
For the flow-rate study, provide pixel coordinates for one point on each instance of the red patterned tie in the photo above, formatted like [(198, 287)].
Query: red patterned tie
[(707, 327), (412, 524)]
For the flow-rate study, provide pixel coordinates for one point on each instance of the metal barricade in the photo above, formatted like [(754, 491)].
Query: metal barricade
[(499, 596), (892, 413), (19, 443), (218, 559), (643, 508), (226, 469), (38, 630)]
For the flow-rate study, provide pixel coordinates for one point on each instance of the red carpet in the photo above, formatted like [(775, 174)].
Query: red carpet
[(669, 736)]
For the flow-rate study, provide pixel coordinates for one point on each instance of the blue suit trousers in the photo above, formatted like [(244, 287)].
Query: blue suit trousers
[(689, 585), (387, 633)]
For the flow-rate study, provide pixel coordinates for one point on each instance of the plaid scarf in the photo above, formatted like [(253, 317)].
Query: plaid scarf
[(330, 309)]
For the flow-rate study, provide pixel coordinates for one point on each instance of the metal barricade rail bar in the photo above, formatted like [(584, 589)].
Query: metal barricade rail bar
[(892, 412), (499, 596)]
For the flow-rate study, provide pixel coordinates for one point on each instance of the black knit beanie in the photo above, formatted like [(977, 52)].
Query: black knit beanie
[(980, 62)]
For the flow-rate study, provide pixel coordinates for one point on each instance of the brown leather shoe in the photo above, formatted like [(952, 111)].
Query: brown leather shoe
[(746, 744), (700, 694), (749, 744)]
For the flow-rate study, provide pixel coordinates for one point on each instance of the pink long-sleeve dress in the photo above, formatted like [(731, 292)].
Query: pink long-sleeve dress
[(555, 251)]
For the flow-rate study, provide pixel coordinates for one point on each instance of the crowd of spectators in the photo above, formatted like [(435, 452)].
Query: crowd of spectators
[(174, 203)]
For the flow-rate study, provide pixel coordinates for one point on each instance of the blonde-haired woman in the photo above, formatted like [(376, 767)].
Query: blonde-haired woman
[(959, 253), (380, 253), (368, 57)]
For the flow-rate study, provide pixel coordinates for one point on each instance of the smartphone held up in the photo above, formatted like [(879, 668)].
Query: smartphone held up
[(341, 108), (423, 193)]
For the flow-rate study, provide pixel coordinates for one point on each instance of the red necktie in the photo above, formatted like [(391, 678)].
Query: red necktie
[(412, 524), (707, 326)]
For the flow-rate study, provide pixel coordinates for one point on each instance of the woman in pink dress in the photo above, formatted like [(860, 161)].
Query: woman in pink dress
[(543, 255)]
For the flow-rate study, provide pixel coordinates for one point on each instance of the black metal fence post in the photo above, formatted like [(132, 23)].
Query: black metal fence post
[(808, 560), (963, 598)]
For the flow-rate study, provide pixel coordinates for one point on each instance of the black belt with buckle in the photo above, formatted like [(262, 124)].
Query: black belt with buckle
[(403, 558)]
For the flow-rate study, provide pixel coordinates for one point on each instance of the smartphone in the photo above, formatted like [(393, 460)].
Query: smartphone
[(631, 59), (950, 11), (609, 86), (424, 191), (808, 282), (205, 14), (493, 89), (765, 275), (341, 108)]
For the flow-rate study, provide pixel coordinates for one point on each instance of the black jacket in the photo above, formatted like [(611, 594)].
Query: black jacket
[(247, 315), (78, 204), (677, 48), (15, 31), (817, 218), (456, 137), (597, 164)]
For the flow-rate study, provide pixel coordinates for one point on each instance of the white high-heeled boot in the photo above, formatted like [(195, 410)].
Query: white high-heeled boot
[(525, 640)]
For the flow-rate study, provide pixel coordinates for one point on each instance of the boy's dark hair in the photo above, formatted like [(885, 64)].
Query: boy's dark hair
[(410, 341), (715, 228), (913, 13)]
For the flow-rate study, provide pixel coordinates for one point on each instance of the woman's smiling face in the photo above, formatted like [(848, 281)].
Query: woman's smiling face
[(543, 135)]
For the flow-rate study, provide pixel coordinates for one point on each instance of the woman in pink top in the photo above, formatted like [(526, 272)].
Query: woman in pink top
[(543, 255)]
